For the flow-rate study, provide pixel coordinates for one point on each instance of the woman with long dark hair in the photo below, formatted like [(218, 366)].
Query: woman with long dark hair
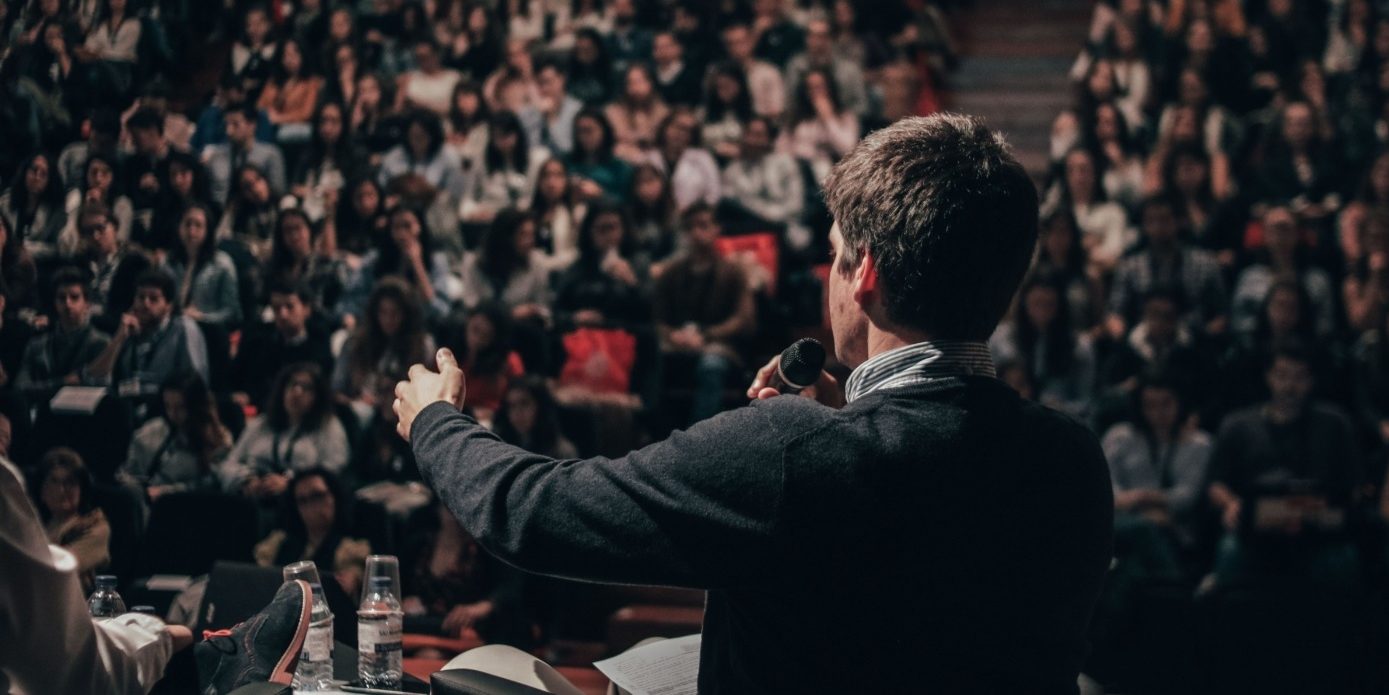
[(328, 163), (409, 254), (1284, 255), (529, 419), (605, 286), (590, 69), (296, 260), (99, 184), (291, 94), (592, 160), (508, 268), (389, 337), (467, 120), (1106, 232), (32, 206), (1041, 337), (693, 173), (296, 432), (819, 129), (182, 448), (206, 277), (316, 513), (1061, 256), (360, 223), (636, 113), (557, 214), (1366, 287), (188, 184), (727, 107), (482, 343), (505, 175), (422, 153)]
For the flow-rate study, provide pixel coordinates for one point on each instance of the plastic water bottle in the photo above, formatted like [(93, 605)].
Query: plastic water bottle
[(315, 670), (378, 636), (105, 602)]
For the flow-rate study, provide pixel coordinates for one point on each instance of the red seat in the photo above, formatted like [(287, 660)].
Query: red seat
[(762, 246)]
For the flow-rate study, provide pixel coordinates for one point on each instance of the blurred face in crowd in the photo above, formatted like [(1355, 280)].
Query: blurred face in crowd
[(1192, 88), (426, 58), (70, 303), (650, 186), (607, 232), (291, 58), (477, 20), (1280, 232), (757, 139), (1199, 38), (255, 187), (638, 85), (585, 50), (726, 88), (505, 139), (1160, 225), (368, 91), (738, 42), (1297, 124), (1191, 175), (100, 234), (1289, 382), (525, 238), (554, 181), (36, 177), (1080, 175), (390, 316), (588, 134), (175, 408), (1057, 238), (315, 503), (665, 49), (296, 236), (480, 333), (181, 179), (1161, 317), (1284, 310), (521, 410), (146, 140), (1101, 82), (703, 231), (366, 199), (1186, 126), (151, 307), (298, 395), (550, 81), (624, 12), (1106, 122), (678, 133), (1040, 306), (257, 26), (345, 59), (60, 492), (418, 139), (518, 56), (817, 39), (844, 14), (291, 313), (405, 227), (1160, 408), (240, 130), (192, 229), (1125, 40), (330, 123), (99, 176)]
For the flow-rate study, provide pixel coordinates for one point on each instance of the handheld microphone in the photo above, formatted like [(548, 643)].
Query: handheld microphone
[(799, 366)]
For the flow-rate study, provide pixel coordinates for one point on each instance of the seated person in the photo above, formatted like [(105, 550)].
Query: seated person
[(484, 345), (528, 419), (64, 499), (153, 343), (451, 584), (114, 267), (1170, 262), (1299, 459), (763, 189), (241, 150), (207, 287), (1060, 361), (605, 286), (60, 356), (182, 448), (1157, 463), (267, 348), (703, 305), (298, 431), (389, 338), (315, 527)]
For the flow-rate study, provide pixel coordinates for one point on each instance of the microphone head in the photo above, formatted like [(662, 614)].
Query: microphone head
[(802, 362)]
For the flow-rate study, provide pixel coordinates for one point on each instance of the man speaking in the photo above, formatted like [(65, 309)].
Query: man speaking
[(935, 534)]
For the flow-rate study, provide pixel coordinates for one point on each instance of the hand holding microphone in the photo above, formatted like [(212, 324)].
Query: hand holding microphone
[(799, 369)]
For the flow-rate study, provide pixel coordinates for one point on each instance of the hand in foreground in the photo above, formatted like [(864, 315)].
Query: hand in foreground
[(826, 388), (424, 388)]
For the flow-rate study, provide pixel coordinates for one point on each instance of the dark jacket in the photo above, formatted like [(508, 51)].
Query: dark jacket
[(947, 536)]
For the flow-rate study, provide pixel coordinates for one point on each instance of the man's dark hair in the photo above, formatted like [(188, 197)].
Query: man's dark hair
[(146, 119), (68, 276), (159, 280), (298, 289), (246, 108), (696, 209), (948, 216)]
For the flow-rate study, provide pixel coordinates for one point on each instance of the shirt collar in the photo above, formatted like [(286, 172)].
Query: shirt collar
[(918, 363)]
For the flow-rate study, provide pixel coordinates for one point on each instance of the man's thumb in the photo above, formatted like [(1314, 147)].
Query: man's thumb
[(445, 359)]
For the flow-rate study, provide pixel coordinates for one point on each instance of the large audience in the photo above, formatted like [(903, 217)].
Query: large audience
[(247, 220)]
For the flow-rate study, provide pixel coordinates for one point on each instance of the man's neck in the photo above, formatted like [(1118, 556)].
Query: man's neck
[(297, 336), (1282, 413), (882, 340)]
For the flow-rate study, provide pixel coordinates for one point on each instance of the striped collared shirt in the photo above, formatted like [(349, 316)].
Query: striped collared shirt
[(918, 363)]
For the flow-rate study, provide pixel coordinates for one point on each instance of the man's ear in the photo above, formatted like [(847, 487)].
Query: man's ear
[(865, 279)]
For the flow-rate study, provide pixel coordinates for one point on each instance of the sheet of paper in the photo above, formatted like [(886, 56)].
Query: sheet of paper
[(668, 667), (77, 399)]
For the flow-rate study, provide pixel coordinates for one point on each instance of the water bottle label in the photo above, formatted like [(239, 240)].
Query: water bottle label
[(318, 645), (379, 636)]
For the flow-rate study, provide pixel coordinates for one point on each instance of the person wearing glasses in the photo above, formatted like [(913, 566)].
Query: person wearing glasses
[(60, 356), (113, 266), (316, 520)]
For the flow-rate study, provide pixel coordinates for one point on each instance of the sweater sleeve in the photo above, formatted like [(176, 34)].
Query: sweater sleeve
[(700, 509)]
